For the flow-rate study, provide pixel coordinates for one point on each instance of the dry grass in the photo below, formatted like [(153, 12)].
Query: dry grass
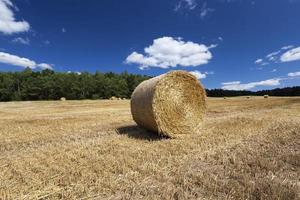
[(246, 149)]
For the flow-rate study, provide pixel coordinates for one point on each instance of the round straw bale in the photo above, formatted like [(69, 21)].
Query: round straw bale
[(113, 98), (171, 104), (63, 99), (266, 96)]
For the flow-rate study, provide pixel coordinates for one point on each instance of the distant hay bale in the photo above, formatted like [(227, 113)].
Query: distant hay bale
[(266, 96), (247, 97), (224, 98), (113, 98), (171, 104), (63, 99)]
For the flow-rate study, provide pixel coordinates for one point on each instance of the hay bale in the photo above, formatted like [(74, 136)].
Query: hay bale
[(247, 97), (113, 98), (63, 99), (266, 96), (171, 104)]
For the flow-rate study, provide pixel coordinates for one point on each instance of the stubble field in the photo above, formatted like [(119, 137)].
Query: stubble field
[(246, 149)]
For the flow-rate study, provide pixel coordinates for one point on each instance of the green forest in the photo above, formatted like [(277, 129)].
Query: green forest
[(50, 85)]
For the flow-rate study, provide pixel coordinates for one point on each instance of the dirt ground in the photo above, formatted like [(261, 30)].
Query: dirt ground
[(246, 149)]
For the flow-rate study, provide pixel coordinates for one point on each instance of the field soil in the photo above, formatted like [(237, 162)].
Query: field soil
[(246, 149)]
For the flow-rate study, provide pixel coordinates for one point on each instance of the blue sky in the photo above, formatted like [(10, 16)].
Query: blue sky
[(230, 44)]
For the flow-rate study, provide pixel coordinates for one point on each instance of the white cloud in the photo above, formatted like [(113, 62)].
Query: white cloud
[(191, 4), (212, 46), (168, 52), (21, 62), (200, 75), (264, 63), (275, 57), (261, 62), (231, 83), (20, 40), (258, 61), (63, 30), (293, 74), (274, 70), (236, 85), (8, 23), (287, 47), (291, 55), (186, 4), (272, 58), (44, 66), (220, 38), (70, 72), (270, 55), (205, 10)]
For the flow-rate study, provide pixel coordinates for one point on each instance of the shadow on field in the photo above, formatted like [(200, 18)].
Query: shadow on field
[(136, 132)]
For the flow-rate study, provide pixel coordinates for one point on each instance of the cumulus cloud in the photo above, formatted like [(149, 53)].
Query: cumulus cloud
[(169, 52), (199, 75), (294, 74), (237, 85), (63, 30), (20, 40), (10, 59), (8, 23), (291, 55)]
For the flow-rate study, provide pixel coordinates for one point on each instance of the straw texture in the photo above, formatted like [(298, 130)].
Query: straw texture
[(171, 104)]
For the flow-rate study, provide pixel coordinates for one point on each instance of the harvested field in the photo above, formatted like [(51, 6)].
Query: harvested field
[(246, 149)]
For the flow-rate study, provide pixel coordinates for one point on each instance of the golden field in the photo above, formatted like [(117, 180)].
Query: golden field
[(246, 149)]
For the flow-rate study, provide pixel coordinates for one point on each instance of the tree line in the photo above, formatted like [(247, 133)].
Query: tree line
[(287, 91), (50, 85)]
